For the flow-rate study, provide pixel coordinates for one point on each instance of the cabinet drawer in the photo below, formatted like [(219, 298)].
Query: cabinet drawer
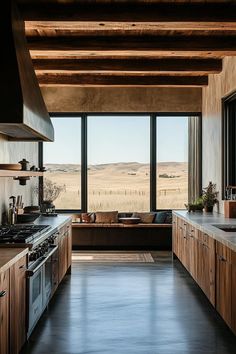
[(192, 232), (223, 251)]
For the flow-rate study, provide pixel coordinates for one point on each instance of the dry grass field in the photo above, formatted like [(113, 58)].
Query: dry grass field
[(121, 186)]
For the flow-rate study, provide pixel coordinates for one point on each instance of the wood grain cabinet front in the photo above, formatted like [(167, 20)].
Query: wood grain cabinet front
[(4, 312), (64, 251), (223, 282), (206, 265), (212, 265), (18, 305), (233, 291)]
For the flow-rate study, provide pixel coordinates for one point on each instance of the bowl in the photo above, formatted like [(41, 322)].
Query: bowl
[(25, 218), (31, 209), (130, 220)]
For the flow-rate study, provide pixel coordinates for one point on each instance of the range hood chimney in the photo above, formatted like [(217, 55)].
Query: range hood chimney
[(23, 114)]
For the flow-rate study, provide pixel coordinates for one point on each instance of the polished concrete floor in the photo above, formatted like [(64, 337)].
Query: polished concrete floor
[(130, 309)]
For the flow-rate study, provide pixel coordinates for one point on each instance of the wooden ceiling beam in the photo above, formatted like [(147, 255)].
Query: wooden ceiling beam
[(199, 66), (96, 28), (130, 12), (160, 46), (90, 79)]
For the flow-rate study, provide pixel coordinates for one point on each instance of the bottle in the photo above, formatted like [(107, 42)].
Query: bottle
[(12, 213)]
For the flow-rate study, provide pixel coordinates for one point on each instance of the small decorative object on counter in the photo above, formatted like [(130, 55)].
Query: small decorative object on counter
[(197, 205), (47, 207), (230, 193), (24, 164), (209, 197)]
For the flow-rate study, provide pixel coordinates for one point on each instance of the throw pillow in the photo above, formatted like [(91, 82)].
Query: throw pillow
[(106, 217), (145, 218), (87, 217), (160, 217)]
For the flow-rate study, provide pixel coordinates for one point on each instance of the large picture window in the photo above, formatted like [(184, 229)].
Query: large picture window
[(62, 160), (122, 162), (119, 163), (172, 162)]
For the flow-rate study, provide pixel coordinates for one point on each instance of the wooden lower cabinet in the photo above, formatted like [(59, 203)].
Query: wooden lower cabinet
[(4, 312), (233, 291), (64, 251), (18, 305), (69, 246), (211, 264), (223, 282), (206, 266), (192, 247)]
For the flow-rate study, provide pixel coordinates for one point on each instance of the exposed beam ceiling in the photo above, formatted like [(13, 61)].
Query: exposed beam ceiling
[(94, 28), (161, 46), (198, 66), (114, 79), (129, 43)]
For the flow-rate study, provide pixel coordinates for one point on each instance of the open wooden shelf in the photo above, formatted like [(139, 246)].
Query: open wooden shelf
[(15, 173)]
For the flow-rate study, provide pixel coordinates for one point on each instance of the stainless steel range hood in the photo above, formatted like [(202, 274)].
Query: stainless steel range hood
[(23, 114)]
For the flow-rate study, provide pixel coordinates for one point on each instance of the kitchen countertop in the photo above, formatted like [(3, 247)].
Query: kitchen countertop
[(54, 221), (9, 256), (206, 221)]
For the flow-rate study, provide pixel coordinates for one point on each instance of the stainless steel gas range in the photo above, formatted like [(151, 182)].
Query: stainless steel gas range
[(42, 253)]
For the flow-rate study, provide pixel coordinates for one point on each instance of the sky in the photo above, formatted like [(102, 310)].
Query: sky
[(117, 139)]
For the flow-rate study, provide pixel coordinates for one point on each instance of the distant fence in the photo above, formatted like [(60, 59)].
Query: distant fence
[(168, 191)]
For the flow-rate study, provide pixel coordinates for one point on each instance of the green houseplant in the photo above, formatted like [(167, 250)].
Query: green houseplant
[(209, 197), (197, 205)]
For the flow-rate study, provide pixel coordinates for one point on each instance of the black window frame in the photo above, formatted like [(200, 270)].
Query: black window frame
[(228, 140), (84, 177)]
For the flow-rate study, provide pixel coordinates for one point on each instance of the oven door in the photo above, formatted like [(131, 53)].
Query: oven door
[(40, 287), (35, 298), (47, 281)]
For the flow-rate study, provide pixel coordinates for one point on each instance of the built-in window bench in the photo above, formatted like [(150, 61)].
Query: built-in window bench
[(121, 236)]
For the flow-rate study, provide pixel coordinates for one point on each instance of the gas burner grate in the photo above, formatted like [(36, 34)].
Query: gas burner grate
[(21, 233)]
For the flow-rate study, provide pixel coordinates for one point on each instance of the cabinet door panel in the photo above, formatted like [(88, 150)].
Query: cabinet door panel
[(4, 312), (175, 236), (69, 246), (233, 296), (18, 305), (223, 286)]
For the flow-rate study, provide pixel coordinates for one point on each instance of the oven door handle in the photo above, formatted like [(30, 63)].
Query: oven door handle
[(31, 272)]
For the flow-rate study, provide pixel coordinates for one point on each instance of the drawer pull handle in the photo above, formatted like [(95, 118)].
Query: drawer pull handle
[(22, 266), (3, 293), (222, 259)]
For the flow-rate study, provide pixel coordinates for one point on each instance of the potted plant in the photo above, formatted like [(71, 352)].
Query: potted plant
[(197, 205), (209, 197), (51, 191)]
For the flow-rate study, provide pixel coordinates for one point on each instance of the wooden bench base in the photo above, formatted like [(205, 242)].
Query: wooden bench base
[(122, 237)]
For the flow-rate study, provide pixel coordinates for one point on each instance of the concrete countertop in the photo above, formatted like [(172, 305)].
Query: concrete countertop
[(9, 256), (206, 221), (54, 221)]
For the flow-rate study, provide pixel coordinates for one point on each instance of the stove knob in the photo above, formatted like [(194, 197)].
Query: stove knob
[(33, 256), (40, 252)]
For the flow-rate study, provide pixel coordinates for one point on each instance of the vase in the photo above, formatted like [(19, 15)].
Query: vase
[(208, 208)]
